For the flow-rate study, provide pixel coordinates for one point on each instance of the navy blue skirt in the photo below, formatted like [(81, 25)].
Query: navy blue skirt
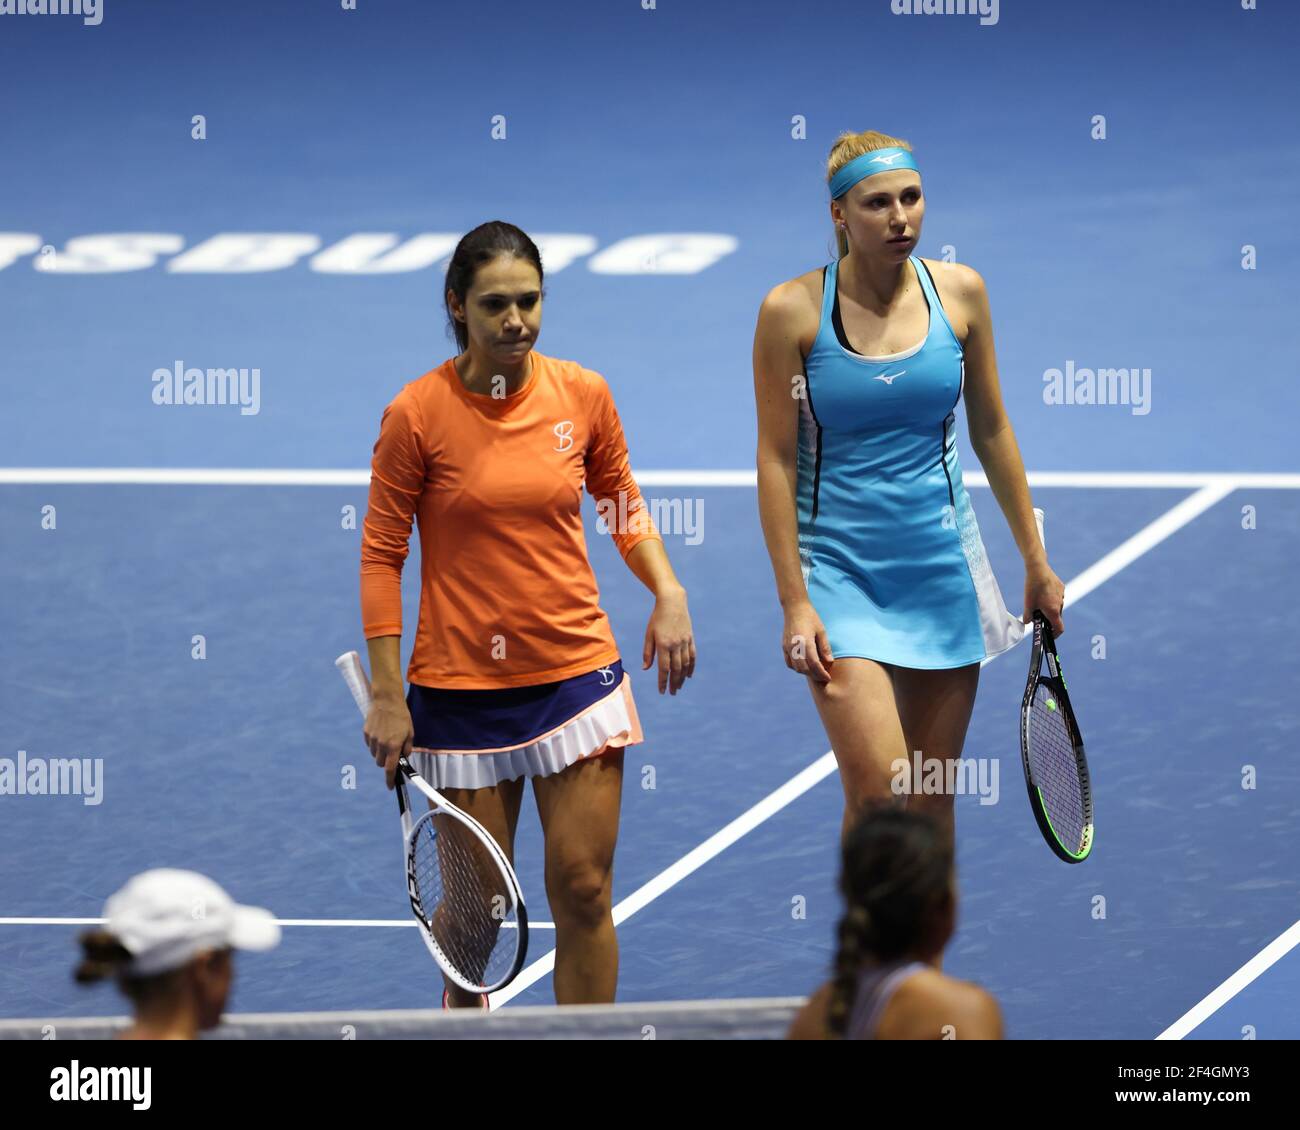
[(477, 738)]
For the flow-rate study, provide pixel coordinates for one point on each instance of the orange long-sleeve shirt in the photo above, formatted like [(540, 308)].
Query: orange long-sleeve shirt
[(507, 595)]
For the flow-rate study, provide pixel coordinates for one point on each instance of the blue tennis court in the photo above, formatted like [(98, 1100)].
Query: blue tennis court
[(670, 163)]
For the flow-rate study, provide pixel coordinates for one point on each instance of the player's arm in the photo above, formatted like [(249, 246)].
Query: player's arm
[(668, 635), (810, 1021), (779, 382), (779, 385), (385, 654), (396, 480), (994, 443), (991, 436)]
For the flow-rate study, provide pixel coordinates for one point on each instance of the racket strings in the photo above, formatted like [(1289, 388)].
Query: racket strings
[(465, 898), (1055, 769)]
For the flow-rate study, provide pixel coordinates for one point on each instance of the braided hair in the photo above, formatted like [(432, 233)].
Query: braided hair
[(896, 881)]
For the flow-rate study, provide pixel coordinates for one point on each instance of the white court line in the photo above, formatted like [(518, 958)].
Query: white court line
[(1145, 539), (365, 922), (183, 476), (769, 806), (1270, 954), (1213, 487), (300, 477), (1196, 1016), (1119, 558)]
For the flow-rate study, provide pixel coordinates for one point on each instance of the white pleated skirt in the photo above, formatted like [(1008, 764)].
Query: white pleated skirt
[(609, 723)]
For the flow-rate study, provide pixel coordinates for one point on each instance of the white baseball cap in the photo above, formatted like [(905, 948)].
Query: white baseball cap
[(165, 916)]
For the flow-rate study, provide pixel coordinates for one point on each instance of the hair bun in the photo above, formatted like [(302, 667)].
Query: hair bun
[(103, 956)]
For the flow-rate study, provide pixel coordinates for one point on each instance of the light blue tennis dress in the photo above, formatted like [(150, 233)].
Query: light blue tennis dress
[(891, 552)]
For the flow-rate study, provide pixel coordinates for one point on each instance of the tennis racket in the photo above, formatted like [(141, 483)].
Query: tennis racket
[(464, 893), (1051, 747)]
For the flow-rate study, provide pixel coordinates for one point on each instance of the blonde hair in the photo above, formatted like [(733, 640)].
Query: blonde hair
[(845, 148)]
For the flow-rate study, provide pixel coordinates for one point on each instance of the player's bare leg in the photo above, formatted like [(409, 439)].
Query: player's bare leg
[(579, 811)]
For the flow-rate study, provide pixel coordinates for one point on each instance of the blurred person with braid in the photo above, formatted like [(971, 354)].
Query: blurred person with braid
[(168, 940), (900, 898)]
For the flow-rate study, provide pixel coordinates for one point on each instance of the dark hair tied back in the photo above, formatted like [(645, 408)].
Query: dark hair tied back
[(475, 248), (896, 880), (102, 957)]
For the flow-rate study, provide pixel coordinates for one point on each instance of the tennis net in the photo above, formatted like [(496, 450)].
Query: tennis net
[(758, 1019)]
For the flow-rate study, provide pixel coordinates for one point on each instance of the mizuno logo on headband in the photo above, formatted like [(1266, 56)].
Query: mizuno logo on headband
[(892, 159)]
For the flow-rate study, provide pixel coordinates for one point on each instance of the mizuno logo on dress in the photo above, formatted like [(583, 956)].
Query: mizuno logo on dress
[(888, 378)]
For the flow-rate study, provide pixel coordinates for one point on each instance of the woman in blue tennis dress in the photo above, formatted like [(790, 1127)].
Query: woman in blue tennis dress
[(889, 545), (889, 600)]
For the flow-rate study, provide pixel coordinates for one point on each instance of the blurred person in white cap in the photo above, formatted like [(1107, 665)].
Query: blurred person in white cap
[(168, 940)]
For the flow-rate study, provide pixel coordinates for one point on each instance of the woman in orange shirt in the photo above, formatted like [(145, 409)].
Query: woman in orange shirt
[(514, 673)]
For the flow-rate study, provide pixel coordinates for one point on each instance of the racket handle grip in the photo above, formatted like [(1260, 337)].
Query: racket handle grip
[(354, 674), (1038, 521)]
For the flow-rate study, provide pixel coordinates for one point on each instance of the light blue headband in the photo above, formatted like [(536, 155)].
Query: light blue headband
[(877, 161)]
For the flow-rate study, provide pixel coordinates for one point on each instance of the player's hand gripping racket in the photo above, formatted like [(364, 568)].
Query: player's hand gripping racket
[(463, 891), (1051, 747)]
